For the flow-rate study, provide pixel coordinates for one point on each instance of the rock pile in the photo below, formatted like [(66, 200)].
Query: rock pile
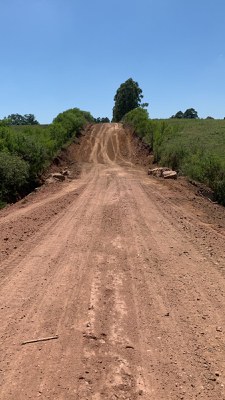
[(58, 176), (163, 172)]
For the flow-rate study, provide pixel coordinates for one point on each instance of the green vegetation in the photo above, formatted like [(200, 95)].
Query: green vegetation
[(127, 98), (17, 119), (103, 120), (25, 151), (14, 173), (199, 148), (193, 147), (190, 113), (139, 120)]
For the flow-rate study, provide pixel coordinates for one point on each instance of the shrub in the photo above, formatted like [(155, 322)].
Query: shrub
[(143, 126), (73, 120), (220, 191), (26, 151), (14, 173), (173, 156), (164, 141)]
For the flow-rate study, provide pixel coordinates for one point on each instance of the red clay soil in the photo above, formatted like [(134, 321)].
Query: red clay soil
[(127, 270)]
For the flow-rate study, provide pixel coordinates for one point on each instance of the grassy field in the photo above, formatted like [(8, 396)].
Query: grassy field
[(195, 148), (203, 135)]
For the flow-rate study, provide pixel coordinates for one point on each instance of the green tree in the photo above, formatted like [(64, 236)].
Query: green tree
[(127, 98), (17, 119), (103, 120), (29, 119), (190, 113), (178, 115)]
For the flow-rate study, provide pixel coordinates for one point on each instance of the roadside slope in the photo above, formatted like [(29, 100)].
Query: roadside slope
[(128, 271)]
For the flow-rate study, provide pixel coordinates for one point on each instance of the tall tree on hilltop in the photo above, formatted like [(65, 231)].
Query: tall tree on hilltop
[(127, 97)]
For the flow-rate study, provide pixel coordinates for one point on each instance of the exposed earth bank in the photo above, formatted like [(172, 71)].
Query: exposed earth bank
[(127, 270)]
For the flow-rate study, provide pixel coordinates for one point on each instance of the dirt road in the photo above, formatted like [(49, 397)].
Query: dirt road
[(128, 270)]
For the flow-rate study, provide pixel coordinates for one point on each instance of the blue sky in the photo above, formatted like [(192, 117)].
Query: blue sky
[(59, 54)]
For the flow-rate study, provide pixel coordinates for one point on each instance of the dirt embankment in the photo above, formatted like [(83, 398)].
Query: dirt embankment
[(127, 270)]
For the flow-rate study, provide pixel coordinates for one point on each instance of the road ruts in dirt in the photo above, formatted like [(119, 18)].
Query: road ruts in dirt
[(43, 298), (128, 271), (181, 333), (112, 366)]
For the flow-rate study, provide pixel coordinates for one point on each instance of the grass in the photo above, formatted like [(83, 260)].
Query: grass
[(199, 135), (195, 148)]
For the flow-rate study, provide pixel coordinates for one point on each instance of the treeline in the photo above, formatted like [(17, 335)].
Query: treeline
[(27, 151), (100, 120), (18, 119), (193, 156), (190, 113)]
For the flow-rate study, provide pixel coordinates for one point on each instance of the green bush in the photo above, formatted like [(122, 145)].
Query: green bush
[(73, 120), (57, 134), (143, 126), (27, 150), (173, 156), (14, 173), (32, 151), (220, 190), (209, 169)]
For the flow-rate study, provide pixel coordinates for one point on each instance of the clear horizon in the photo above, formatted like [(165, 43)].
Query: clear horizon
[(64, 54)]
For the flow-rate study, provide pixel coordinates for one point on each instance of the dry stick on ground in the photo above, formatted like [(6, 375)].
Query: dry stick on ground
[(40, 340)]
